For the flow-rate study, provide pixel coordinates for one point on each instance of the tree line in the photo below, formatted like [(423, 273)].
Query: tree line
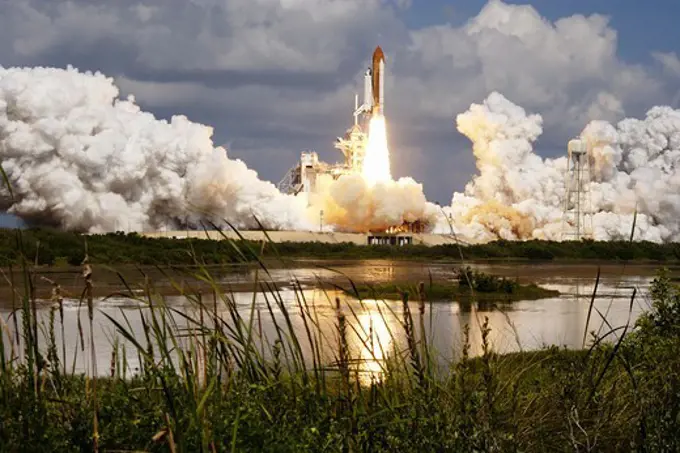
[(54, 247)]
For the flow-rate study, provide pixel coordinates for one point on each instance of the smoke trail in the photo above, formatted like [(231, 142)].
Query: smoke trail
[(518, 195), (80, 158)]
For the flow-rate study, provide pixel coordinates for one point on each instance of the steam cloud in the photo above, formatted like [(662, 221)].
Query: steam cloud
[(352, 204), (79, 158), (519, 195), (372, 200)]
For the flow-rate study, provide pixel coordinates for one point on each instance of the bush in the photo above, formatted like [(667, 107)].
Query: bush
[(484, 283), (664, 318)]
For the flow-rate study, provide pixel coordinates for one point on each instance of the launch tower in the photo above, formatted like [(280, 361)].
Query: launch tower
[(302, 178), (311, 173)]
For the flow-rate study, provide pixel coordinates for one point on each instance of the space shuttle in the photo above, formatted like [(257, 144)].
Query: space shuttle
[(374, 87)]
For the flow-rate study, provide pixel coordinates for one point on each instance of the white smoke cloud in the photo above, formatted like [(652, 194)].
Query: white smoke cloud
[(80, 158), (519, 195), (352, 204)]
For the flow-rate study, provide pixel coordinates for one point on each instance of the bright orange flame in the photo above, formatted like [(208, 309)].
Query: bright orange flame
[(377, 158)]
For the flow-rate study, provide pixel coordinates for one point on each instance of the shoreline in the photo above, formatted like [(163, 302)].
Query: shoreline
[(363, 272)]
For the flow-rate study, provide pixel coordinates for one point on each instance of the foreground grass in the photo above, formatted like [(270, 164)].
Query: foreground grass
[(208, 383), (605, 399), (529, 402)]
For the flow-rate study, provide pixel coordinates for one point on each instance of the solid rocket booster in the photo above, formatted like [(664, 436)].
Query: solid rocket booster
[(378, 82)]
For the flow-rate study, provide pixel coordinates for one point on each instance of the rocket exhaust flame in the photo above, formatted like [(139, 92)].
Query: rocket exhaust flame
[(377, 159)]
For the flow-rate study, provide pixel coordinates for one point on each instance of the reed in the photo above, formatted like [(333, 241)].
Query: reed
[(208, 378)]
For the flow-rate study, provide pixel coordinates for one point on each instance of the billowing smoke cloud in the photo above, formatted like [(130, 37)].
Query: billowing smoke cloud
[(352, 204), (80, 158), (519, 195), (372, 200)]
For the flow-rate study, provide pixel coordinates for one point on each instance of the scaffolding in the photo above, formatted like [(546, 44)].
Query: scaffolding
[(577, 218), (353, 148), (291, 182)]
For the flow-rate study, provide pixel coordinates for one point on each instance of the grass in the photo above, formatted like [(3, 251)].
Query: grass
[(209, 380)]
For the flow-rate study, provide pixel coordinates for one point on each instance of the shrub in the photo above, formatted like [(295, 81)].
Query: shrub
[(484, 283)]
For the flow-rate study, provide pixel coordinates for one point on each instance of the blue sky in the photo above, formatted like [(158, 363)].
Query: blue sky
[(277, 77)]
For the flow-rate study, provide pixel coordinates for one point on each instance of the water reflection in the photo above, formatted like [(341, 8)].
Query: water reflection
[(374, 328), (373, 341)]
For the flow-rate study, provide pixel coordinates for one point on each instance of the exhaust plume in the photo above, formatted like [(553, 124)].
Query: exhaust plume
[(376, 167), (519, 195), (372, 200), (355, 203), (79, 158)]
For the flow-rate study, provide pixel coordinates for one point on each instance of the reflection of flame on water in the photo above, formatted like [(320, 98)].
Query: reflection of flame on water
[(379, 274), (373, 344)]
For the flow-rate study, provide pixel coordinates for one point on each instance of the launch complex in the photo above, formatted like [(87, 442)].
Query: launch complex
[(310, 177), (307, 178), (303, 179)]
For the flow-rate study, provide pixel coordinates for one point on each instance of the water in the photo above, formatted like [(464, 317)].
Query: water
[(374, 327)]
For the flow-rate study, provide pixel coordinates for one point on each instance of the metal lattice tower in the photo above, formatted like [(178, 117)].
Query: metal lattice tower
[(577, 220), (290, 184)]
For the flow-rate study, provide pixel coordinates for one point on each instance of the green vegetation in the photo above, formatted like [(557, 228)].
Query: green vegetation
[(209, 382), (51, 247), (470, 284)]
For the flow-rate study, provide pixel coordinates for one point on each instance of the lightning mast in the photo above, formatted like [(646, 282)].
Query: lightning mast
[(577, 217)]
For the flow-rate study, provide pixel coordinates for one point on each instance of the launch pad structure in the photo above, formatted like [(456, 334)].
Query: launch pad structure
[(303, 178)]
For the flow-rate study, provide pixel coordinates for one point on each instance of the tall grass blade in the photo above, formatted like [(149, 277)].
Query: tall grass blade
[(590, 307)]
